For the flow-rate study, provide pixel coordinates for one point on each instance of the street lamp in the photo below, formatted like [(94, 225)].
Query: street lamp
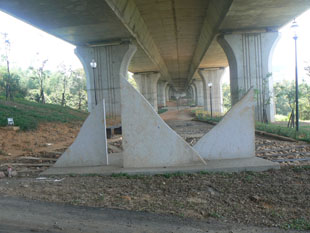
[(294, 28), (210, 86), (93, 65)]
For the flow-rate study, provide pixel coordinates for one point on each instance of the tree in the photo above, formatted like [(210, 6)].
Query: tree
[(266, 95), (284, 97), (78, 89), (14, 83), (66, 74), (40, 75), (7, 78)]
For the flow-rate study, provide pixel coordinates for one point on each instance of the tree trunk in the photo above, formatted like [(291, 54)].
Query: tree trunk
[(80, 100), (8, 87), (6, 91), (42, 96), (63, 99)]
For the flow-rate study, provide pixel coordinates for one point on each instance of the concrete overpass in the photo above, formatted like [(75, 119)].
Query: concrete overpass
[(180, 43)]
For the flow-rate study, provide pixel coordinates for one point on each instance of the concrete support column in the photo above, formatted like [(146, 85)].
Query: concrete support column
[(249, 56), (103, 82), (147, 86), (161, 93), (190, 95), (194, 91), (167, 93), (199, 92), (213, 76)]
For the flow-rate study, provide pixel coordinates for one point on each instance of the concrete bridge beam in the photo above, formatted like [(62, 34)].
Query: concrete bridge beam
[(249, 56), (147, 86), (103, 81), (213, 76)]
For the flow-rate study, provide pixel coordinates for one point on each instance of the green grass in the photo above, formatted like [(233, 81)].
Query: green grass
[(162, 110), (303, 134), (27, 115), (299, 224), (208, 118)]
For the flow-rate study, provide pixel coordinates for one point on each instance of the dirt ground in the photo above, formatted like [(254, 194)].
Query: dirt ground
[(273, 198), (48, 137)]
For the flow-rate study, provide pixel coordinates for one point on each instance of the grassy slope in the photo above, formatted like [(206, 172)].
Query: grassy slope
[(27, 115)]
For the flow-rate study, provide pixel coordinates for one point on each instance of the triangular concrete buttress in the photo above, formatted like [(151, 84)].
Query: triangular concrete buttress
[(147, 140), (234, 136), (90, 146)]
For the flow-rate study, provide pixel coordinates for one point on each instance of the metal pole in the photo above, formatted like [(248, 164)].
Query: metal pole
[(211, 100), (95, 85), (296, 84)]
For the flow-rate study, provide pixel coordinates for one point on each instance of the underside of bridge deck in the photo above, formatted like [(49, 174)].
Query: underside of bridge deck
[(174, 37)]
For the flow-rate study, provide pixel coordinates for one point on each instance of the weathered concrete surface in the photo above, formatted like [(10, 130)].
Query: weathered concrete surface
[(221, 165), (249, 56), (147, 86), (90, 146), (234, 136), (103, 81), (199, 92), (147, 140), (173, 37), (214, 17), (161, 93), (213, 76), (194, 93), (167, 92), (129, 14)]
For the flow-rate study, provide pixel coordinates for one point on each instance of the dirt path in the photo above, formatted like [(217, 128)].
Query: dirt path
[(18, 215)]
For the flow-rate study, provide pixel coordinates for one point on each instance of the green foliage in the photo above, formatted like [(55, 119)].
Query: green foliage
[(281, 118), (226, 97), (66, 87), (162, 110), (13, 80), (203, 117), (298, 224), (285, 98), (132, 81), (28, 114)]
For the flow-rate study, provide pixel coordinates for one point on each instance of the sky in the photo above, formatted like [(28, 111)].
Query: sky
[(283, 62), (29, 45)]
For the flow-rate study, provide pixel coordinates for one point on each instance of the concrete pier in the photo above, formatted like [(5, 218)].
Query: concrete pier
[(199, 94), (249, 56), (161, 93), (214, 77), (103, 81), (147, 86)]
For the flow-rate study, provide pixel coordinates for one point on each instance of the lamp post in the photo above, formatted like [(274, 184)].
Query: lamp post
[(210, 86), (93, 65), (294, 28)]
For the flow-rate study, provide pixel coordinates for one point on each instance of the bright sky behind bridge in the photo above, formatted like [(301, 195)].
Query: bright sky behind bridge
[(27, 41)]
